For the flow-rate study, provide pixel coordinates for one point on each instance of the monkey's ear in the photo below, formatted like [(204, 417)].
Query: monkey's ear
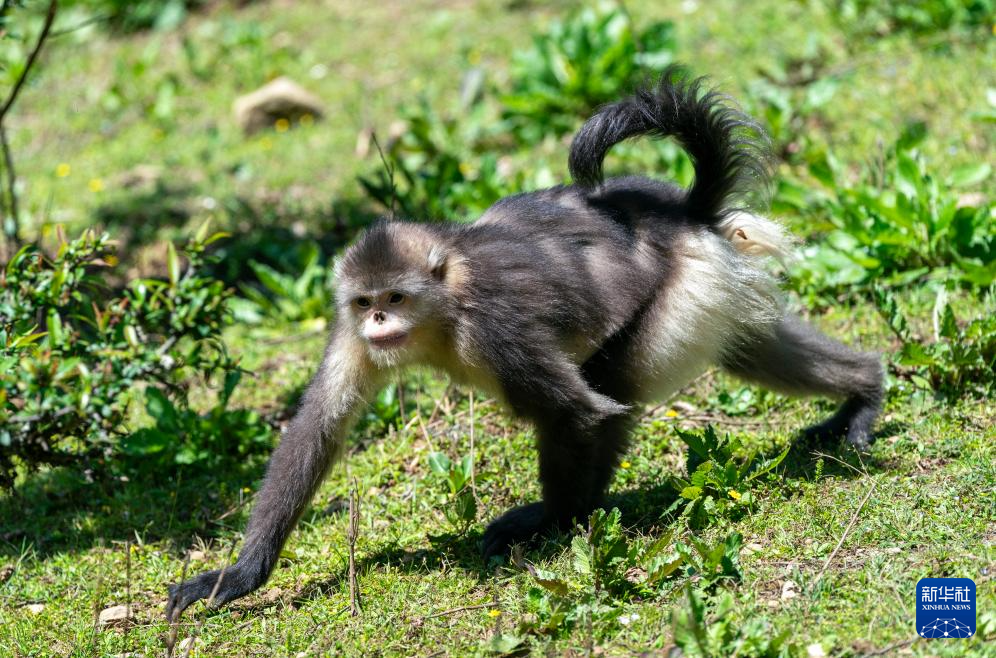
[(437, 262)]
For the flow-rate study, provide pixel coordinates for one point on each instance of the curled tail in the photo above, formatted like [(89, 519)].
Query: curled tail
[(728, 149)]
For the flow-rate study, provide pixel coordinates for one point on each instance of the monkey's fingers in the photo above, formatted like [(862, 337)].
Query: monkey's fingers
[(183, 595)]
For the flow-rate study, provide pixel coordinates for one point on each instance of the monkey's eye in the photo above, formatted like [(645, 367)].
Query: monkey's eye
[(363, 302), (396, 298)]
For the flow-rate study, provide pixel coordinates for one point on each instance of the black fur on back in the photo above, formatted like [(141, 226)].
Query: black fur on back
[(729, 150)]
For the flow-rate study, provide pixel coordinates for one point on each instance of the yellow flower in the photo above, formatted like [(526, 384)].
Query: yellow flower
[(465, 169), (96, 185), (281, 125), (494, 613), (734, 494), (671, 413), (625, 464), (63, 170), (474, 57), (246, 489), (307, 119), (266, 143)]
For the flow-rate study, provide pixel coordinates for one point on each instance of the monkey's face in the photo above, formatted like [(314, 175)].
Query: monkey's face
[(383, 319)]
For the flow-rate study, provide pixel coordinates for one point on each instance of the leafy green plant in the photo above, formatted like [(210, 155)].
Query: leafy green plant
[(434, 171), (899, 224), (129, 16), (709, 627), (592, 57), (608, 570), (719, 476), (880, 17), (460, 505), (181, 435), (284, 297), (74, 352), (961, 358)]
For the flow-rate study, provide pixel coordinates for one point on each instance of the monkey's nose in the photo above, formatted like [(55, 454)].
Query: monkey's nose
[(379, 316)]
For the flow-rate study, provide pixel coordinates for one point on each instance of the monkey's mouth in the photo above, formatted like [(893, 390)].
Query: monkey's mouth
[(390, 341)]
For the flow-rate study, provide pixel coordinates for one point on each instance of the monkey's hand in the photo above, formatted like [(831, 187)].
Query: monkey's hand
[(515, 526), (236, 581)]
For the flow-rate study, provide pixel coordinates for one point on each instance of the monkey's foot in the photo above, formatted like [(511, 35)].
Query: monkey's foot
[(856, 430), (516, 526)]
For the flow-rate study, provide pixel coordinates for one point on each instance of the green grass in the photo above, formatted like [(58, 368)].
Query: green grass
[(76, 547)]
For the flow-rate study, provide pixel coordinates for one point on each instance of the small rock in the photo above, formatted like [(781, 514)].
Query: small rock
[(197, 556), (893, 550), (6, 572), (279, 99), (272, 595), (815, 650), (35, 608), (753, 548), (789, 590), (142, 178), (182, 647), (116, 615), (684, 407)]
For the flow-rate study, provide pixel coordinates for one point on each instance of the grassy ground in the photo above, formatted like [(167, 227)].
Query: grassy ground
[(922, 503)]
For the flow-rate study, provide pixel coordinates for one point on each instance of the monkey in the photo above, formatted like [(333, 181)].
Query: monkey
[(571, 306)]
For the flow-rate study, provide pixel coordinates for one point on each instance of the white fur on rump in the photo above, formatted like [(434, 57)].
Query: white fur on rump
[(718, 298)]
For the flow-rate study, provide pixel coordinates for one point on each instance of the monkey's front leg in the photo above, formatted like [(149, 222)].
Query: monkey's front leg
[(310, 444), (572, 478)]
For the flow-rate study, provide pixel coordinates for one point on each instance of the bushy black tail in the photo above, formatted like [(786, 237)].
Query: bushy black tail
[(728, 149)]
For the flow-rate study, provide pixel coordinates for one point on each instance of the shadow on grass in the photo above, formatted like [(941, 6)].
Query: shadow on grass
[(642, 511), (61, 510)]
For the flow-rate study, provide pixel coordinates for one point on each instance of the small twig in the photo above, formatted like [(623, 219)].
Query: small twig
[(479, 606), (401, 397), (425, 433), (473, 481), (214, 592), (352, 533), (840, 461), (850, 525), (46, 27), (174, 623), (79, 26), (889, 649), (127, 590), (389, 168), (10, 206)]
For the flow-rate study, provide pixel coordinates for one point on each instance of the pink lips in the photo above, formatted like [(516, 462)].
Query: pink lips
[(389, 340)]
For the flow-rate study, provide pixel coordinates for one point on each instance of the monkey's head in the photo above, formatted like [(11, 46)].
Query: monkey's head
[(393, 292)]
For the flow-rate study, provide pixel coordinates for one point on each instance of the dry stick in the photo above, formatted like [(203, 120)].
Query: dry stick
[(49, 19), (473, 481), (174, 623), (889, 649), (390, 174), (210, 602), (9, 103), (96, 610), (850, 525), (127, 591), (840, 461), (10, 202), (352, 532), (401, 396), (479, 606)]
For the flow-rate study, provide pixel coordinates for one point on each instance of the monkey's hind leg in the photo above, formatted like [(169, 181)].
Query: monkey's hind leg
[(797, 359)]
